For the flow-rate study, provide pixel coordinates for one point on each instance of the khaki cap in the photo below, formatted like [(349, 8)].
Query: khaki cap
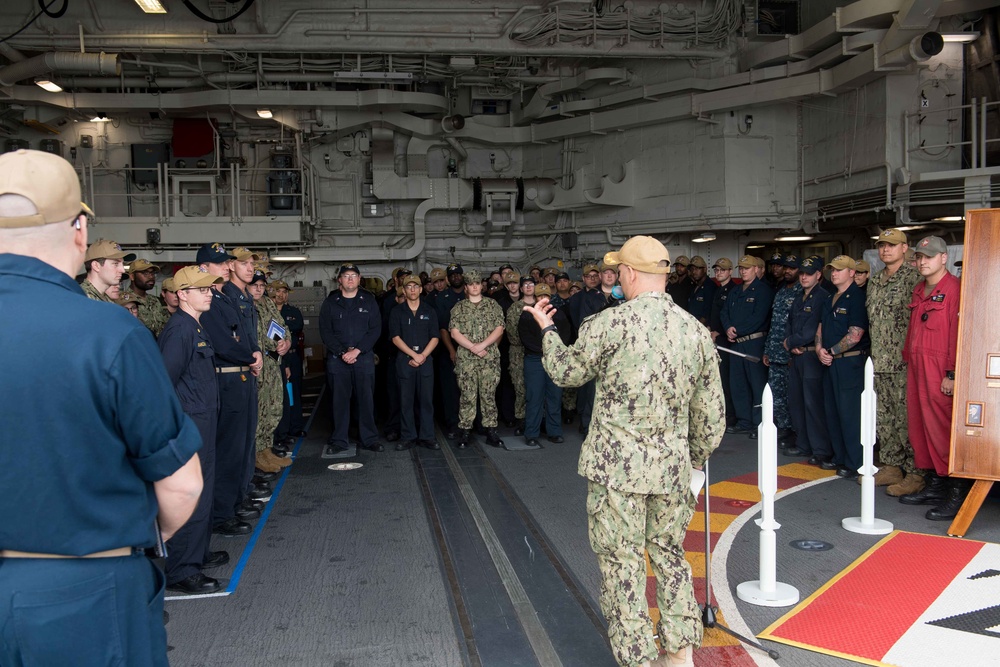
[(103, 249), (543, 289), (280, 284), (142, 265), (549, 271), (412, 280), (747, 262), (930, 246), (723, 263), (608, 267), (682, 260), (699, 261), (577, 284), (242, 254), (842, 262), (127, 297), (438, 274), (909, 256), (892, 237), (400, 270), (194, 276), (168, 285), (512, 277), (643, 253), (587, 268), (863, 267), (47, 181), (759, 261)]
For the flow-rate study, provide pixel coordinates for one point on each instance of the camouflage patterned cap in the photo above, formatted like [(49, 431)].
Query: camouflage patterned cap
[(473, 276), (842, 262)]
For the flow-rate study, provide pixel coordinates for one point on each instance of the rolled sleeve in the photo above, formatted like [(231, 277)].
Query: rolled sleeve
[(171, 455)]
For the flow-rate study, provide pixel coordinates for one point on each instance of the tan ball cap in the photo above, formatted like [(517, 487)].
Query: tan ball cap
[(47, 180), (842, 262), (863, 266), (543, 289), (104, 249), (643, 253), (195, 276), (699, 261), (723, 263), (891, 236), (142, 265)]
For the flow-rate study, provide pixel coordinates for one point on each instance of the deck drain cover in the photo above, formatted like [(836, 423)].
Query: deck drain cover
[(353, 465), (811, 545)]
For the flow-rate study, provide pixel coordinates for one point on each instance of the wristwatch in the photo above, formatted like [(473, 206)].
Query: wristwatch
[(950, 375), (547, 329)]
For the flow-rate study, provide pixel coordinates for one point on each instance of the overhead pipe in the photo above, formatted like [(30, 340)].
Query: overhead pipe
[(60, 61)]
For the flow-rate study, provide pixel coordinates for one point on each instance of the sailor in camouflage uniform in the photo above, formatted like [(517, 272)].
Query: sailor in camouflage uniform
[(152, 313), (270, 382), (776, 357), (888, 301), (517, 350), (476, 326), (104, 263), (656, 416)]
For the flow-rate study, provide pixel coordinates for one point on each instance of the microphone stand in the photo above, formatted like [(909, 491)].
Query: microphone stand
[(708, 618)]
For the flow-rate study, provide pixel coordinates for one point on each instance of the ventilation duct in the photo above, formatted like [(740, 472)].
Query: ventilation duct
[(60, 63)]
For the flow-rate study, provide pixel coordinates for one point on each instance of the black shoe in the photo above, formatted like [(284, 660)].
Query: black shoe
[(794, 451), (532, 442), (247, 513), (519, 430), (280, 451), (463, 438), (232, 528), (451, 433), (828, 465), (847, 473), (377, 447), (252, 504), (814, 461), (555, 438), (492, 438), (736, 430), (259, 493), (429, 444), (216, 559), (261, 476), (196, 583), (287, 442), (752, 435), (392, 436), (403, 446), (935, 492), (582, 430), (957, 492)]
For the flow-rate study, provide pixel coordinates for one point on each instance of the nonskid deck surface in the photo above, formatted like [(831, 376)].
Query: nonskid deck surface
[(481, 557)]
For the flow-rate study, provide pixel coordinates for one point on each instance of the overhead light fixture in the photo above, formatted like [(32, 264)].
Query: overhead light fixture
[(45, 84), (755, 246), (951, 218), (151, 6), (264, 113), (101, 117), (289, 258), (963, 37), (704, 237), (373, 76), (788, 238), (911, 228)]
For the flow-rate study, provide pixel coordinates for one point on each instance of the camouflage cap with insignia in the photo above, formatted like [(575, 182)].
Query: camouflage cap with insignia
[(473, 276), (842, 262)]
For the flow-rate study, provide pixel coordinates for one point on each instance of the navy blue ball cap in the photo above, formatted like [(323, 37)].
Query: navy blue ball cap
[(811, 265), (213, 253), (791, 261), (344, 268), (455, 268)]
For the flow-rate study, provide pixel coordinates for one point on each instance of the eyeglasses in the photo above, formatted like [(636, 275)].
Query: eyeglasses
[(200, 290)]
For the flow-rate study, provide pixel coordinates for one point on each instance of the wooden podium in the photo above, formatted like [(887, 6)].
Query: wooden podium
[(975, 424)]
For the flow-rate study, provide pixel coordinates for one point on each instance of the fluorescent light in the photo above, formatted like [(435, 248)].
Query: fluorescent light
[(964, 37), (704, 237), (289, 258), (45, 84), (151, 6), (950, 218), (755, 246), (264, 113), (797, 237), (911, 228)]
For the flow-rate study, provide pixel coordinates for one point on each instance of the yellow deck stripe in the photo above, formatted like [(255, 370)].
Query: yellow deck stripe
[(804, 472), (723, 491)]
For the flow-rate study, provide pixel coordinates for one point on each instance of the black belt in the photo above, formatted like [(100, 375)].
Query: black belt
[(852, 353), (753, 336)]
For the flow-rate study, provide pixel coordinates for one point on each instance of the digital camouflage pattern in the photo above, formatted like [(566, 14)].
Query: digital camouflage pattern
[(778, 356), (270, 382), (152, 313), (516, 356), (658, 412), (888, 304), (477, 377), (92, 293)]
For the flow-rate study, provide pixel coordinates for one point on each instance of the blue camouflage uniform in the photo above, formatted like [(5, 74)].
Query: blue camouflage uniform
[(805, 382), (777, 355), (748, 309)]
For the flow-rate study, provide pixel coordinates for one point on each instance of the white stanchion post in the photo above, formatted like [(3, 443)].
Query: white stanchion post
[(767, 591), (867, 524)]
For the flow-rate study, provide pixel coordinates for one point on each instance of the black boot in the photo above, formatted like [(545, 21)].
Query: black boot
[(463, 438), (519, 429), (958, 489), (492, 438), (933, 493)]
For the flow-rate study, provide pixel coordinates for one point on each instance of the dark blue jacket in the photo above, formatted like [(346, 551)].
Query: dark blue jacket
[(848, 311), (227, 329), (416, 330), (700, 300), (749, 310), (190, 362), (350, 323), (803, 320)]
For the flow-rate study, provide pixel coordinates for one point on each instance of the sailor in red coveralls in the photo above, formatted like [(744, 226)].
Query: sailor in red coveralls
[(929, 353)]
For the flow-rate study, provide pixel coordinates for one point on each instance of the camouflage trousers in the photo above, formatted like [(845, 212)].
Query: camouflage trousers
[(477, 380), (621, 525), (777, 377), (890, 419), (270, 402), (517, 378), (569, 398)]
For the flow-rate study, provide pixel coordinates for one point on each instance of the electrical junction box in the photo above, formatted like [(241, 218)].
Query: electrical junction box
[(369, 210), (53, 146), (86, 141), (145, 160)]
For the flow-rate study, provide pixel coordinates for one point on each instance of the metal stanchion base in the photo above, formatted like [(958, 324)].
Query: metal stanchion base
[(856, 524), (783, 595)]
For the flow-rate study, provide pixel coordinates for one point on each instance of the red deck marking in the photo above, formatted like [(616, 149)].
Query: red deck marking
[(722, 656), (858, 615)]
